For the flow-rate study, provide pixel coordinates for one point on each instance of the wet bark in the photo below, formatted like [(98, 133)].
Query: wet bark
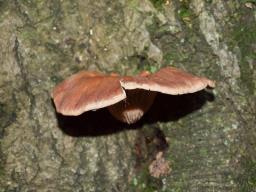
[(208, 138)]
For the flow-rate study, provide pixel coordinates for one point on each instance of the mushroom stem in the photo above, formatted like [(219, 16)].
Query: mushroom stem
[(131, 109)]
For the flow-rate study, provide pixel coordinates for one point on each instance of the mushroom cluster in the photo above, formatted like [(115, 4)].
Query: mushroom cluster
[(126, 97)]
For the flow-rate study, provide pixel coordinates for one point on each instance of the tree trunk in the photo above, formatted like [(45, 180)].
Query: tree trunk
[(208, 138)]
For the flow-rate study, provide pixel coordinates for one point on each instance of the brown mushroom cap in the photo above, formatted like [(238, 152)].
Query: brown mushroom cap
[(87, 91), (167, 80)]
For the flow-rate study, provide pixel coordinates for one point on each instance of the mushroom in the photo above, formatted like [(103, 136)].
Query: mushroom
[(127, 97)]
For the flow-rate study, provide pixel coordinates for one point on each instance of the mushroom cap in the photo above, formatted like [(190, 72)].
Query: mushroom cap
[(168, 80), (87, 91)]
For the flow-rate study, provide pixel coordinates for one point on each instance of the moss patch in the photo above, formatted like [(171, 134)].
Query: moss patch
[(247, 179), (243, 35), (158, 3)]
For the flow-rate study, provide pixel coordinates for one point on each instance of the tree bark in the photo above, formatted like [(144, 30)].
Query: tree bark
[(208, 138)]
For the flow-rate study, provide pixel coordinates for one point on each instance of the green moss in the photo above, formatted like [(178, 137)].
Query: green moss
[(7, 116), (136, 63), (31, 35), (158, 3), (208, 1), (248, 1), (56, 79), (244, 37), (170, 57), (62, 54), (4, 123), (184, 12), (3, 9), (247, 180), (1, 164), (3, 5), (143, 182), (203, 152)]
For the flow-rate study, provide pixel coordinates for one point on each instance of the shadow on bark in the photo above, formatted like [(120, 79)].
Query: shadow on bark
[(165, 108)]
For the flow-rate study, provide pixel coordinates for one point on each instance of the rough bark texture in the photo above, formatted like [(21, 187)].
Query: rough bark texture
[(211, 146)]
